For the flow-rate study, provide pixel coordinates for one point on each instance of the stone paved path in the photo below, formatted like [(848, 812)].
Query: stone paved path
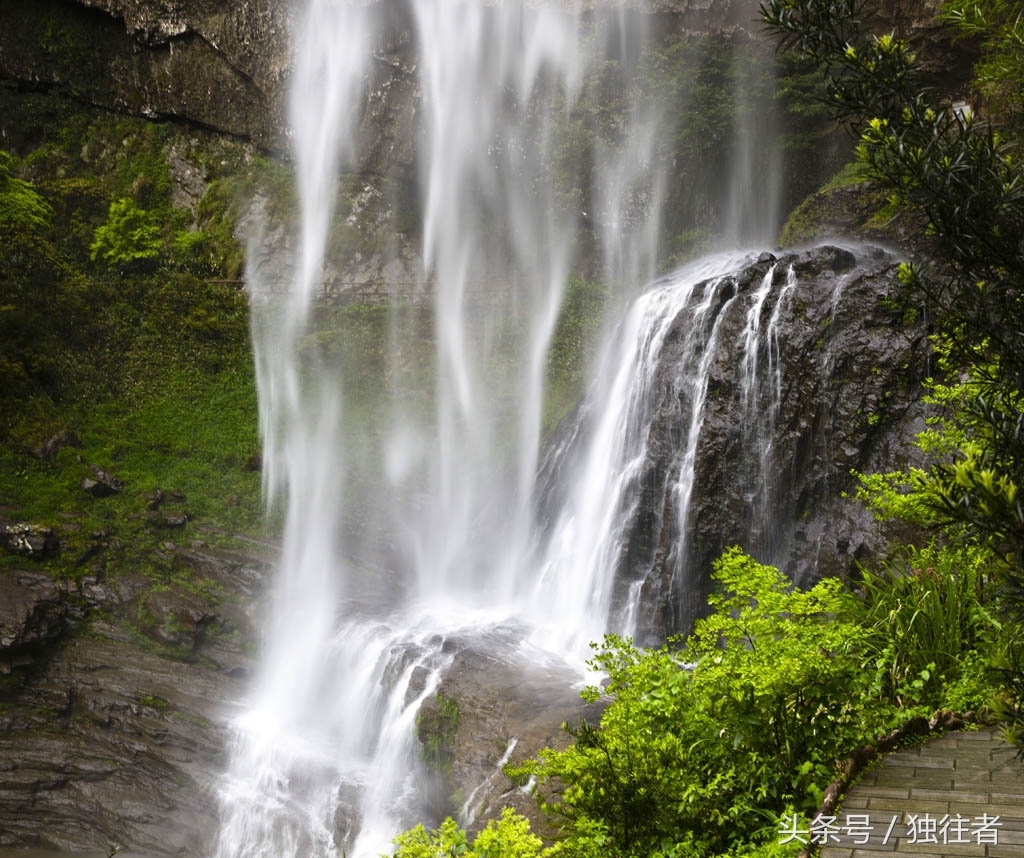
[(938, 800)]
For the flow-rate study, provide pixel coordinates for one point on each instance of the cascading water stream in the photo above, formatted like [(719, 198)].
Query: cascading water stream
[(324, 759), (761, 391), (574, 592), (596, 474), (483, 71)]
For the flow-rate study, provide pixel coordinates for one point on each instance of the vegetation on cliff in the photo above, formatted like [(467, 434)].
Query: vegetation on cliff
[(124, 347)]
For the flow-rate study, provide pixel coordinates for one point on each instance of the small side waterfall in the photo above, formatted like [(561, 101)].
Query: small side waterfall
[(601, 459), (761, 391), (325, 760), (599, 472)]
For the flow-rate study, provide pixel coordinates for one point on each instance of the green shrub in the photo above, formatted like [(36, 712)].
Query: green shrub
[(507, 837), (999, 27), (928, 619), (129, 241), (22, 209), (702, 746)]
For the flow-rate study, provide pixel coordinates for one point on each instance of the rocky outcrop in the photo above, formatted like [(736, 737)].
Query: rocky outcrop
[(33, 614), (383, 262), (28, 540), (117, 735), (101, 484), (773, 463), (112, 745), (493, 707)]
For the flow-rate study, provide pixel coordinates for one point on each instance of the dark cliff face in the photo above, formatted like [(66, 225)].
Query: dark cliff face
[(840, 391), (226, 65), (220, 65)]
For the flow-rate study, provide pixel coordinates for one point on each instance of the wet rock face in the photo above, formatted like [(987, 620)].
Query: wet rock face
[(771, 474), (489, 709), (119, 736), (33, 614), (223, 65), (111, 745)]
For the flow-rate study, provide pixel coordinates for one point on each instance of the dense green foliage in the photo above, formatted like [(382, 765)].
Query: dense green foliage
[(999, 26), (930, 620), (87, 217), (29, 285), (507, 837), (708, 742), (129, 240), (963, 172), (693, 760)]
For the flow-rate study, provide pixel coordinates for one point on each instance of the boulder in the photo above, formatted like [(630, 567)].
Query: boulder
[(33, 615), (102, 484), (837, 387), (29, 540), (508, 708)]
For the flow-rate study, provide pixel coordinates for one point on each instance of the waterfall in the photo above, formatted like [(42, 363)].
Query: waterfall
[(607, 450), (324, 759), (761, 391), (591, 578)]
